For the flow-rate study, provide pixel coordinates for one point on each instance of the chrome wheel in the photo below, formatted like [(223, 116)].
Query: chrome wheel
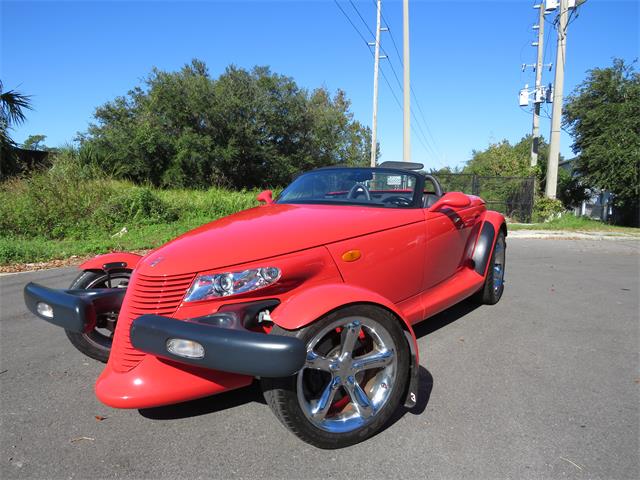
[(349, 374)]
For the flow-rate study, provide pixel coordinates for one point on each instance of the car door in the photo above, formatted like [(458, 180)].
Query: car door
[(448, 229), (386, 260)]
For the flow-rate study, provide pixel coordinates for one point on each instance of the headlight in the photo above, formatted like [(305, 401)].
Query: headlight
[(224, 284)]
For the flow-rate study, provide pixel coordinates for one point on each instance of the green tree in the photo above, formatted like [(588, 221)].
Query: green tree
[(503, 159), (603, 115), (12, 107), (35, 142), (242, 129)]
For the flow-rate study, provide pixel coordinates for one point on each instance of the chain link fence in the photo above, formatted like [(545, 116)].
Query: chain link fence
[(511, 196)]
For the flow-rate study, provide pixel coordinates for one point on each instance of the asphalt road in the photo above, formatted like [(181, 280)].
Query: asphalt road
[(543, 385)]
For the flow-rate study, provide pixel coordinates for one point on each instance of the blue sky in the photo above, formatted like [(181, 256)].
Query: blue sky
[(465, 58)]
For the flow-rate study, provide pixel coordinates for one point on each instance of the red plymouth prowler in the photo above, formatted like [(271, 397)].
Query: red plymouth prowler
[(315, 294)]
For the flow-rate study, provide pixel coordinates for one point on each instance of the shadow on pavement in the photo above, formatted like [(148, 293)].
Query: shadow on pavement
[(253, 393), (204, 406), (444, 318), (425, 381)]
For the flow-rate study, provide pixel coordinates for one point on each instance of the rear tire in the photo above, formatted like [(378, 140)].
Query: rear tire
[(493, 288), (323, 404), (97, 343)]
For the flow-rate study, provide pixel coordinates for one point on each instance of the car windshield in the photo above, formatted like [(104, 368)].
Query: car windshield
[(353, 186)]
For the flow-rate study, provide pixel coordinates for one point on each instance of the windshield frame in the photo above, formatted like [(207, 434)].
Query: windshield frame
[(417, 194)]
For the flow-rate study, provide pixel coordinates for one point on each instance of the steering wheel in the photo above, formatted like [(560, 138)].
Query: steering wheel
[(436, 185), (359, 187), (398, 200)]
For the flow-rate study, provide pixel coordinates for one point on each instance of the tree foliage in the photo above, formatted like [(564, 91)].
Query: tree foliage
[(505, 160), (242, 129), (603, 115), (35, 142), (12, 113)]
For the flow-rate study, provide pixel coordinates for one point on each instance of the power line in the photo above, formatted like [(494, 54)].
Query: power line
[(352, 24), (390, 88), (362, 18), (419, 132), (427, 148), (393, 40), (413, 93)]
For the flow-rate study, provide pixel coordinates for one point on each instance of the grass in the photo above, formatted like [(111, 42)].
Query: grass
[(38, 249), (571, 223), (69, 210), (72, 209)]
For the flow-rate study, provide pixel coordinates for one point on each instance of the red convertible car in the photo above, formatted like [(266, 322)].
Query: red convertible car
[(314, 293)]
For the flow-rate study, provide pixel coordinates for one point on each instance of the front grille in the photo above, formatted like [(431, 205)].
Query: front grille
[(145, 294)]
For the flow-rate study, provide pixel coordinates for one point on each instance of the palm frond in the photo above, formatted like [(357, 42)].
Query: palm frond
[(12, 106)]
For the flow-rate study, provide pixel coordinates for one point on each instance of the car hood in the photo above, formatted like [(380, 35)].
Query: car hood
[(269, 231)]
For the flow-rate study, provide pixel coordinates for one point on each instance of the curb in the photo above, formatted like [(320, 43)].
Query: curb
[(565, 235)]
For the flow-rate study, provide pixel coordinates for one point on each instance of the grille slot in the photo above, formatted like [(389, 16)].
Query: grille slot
[(145, 295)]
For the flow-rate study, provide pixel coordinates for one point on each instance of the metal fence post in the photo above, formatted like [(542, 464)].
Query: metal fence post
[(475, 187)]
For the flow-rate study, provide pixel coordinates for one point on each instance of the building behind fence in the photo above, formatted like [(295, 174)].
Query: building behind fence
[(511, 196)]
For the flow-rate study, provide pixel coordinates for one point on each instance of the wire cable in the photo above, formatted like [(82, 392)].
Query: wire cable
[(419, 132), (435, 148), (395, 47), (352, 24), (362, 18)]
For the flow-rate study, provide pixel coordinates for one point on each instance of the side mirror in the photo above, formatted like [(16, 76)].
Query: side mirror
[(265, 196), (451, 200)]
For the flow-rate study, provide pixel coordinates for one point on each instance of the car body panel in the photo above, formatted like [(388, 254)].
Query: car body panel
[(316, 280), (448, 230), (156, 382), (310, 304), (387, 264), (492, 223), (269, 231), (413, 262), (130, 260)]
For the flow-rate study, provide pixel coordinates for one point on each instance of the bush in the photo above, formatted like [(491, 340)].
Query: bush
[(136, 205), (545, 209), (73, 200)]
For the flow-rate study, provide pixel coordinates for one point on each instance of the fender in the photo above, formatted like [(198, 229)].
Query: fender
[(130, 260), (492, 223), (305, 307)]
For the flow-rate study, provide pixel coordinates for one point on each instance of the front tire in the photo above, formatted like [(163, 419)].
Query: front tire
[(494, 282), (352, 382), (97, 343)]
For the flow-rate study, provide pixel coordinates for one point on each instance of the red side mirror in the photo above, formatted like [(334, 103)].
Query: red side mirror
[(265, 196), (451, 200)]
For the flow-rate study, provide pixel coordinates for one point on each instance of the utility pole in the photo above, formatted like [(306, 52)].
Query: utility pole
[(376, 64), (406, 89), (535, 133), (556, 118)]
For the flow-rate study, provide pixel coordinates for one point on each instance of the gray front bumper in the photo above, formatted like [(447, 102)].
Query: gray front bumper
[(234, 350), (73, 310)]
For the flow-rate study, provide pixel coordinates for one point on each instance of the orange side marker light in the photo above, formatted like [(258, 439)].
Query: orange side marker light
[(351, 255)]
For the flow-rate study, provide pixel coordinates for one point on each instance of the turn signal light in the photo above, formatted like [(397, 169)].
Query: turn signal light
[(44, 309), (351, 255), (185, 348)]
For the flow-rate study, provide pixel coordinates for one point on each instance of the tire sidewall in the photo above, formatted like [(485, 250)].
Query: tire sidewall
[(281, 393), (491, 296), (79, 340)]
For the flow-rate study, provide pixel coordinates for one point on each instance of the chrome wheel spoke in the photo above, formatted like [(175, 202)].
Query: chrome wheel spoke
[(320, 409), (373, 360), (359, 398), (365, 383), (317, 362), (350, 334)]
